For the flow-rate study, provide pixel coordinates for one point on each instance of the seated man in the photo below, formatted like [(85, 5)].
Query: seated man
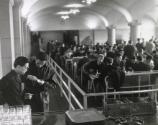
[(114, 77), (11, 84), (94, 70), (140, 65)]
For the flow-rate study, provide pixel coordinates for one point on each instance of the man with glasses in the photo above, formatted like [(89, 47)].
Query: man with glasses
[(11, 83)]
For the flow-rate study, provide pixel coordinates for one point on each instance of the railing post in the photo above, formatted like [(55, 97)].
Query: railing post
[(149, 79), (69, 85), (104, 100), (61, 84), (156, 98), (139, 83), (85, 101)]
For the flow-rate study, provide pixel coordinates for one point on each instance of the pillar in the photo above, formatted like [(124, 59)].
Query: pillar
[(27, 41), (93, 37), (111, 34), (25, 38), (6, 36), (134, 31), (17, 28)]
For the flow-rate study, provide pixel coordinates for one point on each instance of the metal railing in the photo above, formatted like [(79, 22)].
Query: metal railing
[(59, 73)]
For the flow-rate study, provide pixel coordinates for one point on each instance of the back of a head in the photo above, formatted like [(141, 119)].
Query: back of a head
[(117, 54), (21, 61), (108, 60), (139, 58), (42, 56), (130, 42), (149, 57)]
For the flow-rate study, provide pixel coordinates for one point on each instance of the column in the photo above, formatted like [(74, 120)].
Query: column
[(93, 37), (17, 28), (22, 35), (27, 41), (111, 34), (25, 38), (6, 36), (134, 31)]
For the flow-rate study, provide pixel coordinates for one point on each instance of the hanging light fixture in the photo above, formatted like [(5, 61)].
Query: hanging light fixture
[(74, 11), (89, 1), (65, 17)]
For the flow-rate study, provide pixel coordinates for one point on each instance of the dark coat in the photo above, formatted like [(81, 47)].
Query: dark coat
[(43, 73), (141, 66), (10, 85), (34, 88)]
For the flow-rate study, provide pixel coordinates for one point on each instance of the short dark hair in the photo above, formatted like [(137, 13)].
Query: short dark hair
[(149, 57), (139, 58), (109, 59), (21, 61), (42, 56)]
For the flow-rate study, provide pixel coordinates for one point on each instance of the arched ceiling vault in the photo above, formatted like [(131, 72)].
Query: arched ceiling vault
[(104, 10)]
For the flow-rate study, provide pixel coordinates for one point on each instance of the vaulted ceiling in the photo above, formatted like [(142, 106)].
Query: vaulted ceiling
[(43, 14)]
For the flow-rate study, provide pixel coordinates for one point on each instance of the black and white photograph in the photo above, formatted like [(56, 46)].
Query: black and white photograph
[(78, 62)]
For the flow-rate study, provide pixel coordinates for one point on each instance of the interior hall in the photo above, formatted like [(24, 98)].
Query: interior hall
[(78, 62)]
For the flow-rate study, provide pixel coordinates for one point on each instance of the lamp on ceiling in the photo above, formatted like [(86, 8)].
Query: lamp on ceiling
[(89, 1), (74, 11), (65, 17), (65, 14)]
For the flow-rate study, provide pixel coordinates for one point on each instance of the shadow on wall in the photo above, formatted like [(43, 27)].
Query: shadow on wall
[(35, 45), (87, 41)]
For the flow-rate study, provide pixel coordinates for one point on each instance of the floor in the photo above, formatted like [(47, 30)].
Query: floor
[(58, 118)]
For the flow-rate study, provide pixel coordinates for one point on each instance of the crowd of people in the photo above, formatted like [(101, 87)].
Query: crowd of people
[(122, 57), (29, 78)]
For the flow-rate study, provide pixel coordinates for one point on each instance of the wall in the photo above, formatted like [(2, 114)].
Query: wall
[(100, 36), (51, 35), (122, 34)]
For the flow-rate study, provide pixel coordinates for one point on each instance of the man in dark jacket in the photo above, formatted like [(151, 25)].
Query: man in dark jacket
[(11, 84), (41, 75), (140, 65), (94, 70)]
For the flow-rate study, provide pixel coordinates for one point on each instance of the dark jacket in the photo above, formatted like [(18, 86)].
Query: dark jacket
[(35, 88), (141, 66), (10, 86)]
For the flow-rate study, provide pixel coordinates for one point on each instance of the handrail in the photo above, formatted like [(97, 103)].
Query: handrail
[(66, 86), (131, 87), (78, 103), (74, 84), (138, 73), (121, 92)]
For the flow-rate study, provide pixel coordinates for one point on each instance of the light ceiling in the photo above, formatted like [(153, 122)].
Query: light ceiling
[(44, 14)]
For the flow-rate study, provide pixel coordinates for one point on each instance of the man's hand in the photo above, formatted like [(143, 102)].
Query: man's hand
[(93, 76), (41, 82), (32, 78), (28, 96)]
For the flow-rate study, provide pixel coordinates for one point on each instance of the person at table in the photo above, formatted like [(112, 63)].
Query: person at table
[(129, 64), (140, 65), (95, 71), (11, 84)]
